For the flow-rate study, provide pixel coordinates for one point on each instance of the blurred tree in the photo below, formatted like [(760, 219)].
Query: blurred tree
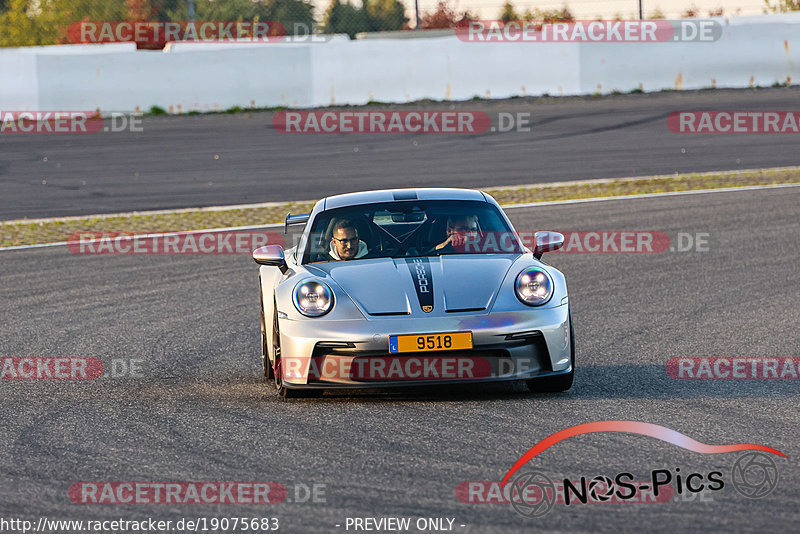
[(444, 17), (17, 28), (782, 6), (562, 15), (690, 12), (297, 16), (141, 9), (549, 15), (222, 10), (507, 12), (26, 23), (372, 16), (40, 22), (344, 18), (287, 12), (165, 7), (385, 15)]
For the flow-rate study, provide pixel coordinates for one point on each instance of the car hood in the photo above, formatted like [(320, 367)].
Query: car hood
[(427, 286)]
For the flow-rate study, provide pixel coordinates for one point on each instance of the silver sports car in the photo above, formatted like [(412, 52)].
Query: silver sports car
[(411, 287)]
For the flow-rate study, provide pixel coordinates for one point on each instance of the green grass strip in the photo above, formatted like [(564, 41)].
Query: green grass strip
[(24, 232)]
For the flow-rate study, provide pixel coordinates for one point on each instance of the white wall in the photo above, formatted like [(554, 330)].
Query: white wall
[(443, 68), (19, 88), (208, 76), (200, 80), (764, 48)]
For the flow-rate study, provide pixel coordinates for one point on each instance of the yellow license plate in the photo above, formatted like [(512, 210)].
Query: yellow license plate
[(430, 342)]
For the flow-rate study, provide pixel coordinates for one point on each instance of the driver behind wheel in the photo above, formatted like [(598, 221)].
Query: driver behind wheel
[(459, 228), (345, 244)]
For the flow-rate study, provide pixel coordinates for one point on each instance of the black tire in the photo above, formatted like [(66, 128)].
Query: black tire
[(556, 384), (283, 391), (268, 371)]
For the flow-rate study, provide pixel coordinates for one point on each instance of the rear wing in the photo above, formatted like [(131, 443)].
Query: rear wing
[(293, 220)]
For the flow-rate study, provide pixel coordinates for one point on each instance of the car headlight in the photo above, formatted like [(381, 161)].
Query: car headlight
[(313, 298), (533, 287)]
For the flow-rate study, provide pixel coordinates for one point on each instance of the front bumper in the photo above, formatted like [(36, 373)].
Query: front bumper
[(355, 353)]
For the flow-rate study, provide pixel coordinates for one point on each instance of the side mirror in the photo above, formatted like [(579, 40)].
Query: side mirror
[(546, 242), (271, 255)]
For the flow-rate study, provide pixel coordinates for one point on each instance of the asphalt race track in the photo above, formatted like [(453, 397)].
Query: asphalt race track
[(201, 411), (179, 162)]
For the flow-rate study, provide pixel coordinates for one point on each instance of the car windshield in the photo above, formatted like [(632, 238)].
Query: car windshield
[(409, 229)]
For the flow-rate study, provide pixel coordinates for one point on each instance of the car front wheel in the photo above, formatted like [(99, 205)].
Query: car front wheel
[(268, 371), (283, 391)]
